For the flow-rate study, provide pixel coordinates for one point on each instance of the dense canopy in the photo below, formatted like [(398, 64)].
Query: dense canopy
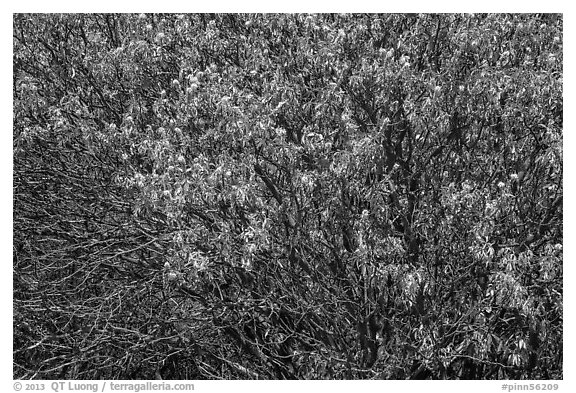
[(287, 196)]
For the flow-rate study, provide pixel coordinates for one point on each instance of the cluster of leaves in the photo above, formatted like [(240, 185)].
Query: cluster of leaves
[(287, 196)]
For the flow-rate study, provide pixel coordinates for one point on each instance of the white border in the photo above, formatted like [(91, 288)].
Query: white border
[(293, 6)]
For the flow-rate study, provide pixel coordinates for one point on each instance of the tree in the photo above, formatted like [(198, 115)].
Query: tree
[(288, 196)]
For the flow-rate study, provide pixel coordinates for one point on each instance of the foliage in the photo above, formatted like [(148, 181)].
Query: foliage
[(288, 196)]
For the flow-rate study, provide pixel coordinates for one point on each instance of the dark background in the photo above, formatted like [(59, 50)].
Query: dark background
[(287, 196)]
